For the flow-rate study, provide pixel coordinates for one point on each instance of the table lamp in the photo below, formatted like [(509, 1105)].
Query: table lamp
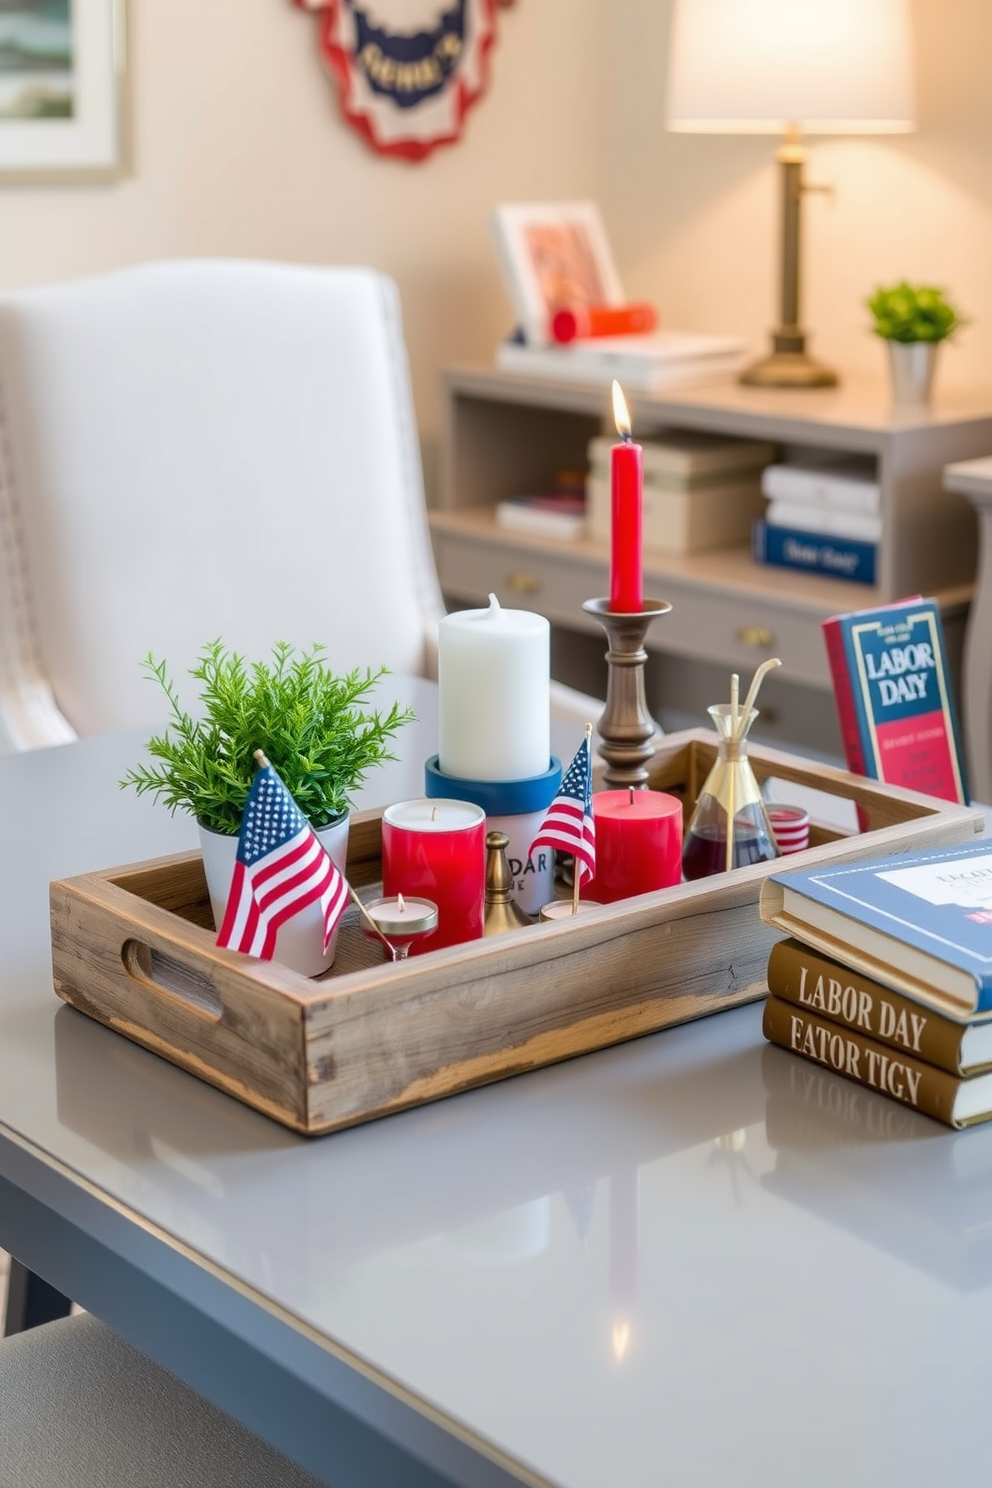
[(790, 67)]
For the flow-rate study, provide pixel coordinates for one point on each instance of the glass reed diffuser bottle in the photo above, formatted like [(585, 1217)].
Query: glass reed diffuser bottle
[(729, 826)]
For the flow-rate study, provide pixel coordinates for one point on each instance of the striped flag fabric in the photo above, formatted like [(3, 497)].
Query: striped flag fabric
[(568, 824), (280, 869)]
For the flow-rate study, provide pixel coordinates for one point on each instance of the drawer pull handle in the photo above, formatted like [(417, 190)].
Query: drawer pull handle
[(755, 635), (523, 583)]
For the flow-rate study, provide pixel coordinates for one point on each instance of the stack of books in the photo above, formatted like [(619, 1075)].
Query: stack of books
[(700, 490), (646, 364), (886, 978), (559, 512), (822, 515)]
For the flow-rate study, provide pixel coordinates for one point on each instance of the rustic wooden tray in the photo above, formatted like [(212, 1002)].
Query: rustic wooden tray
[(134, 948)]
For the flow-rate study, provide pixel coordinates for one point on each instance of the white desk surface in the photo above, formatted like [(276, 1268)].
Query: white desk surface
[(691, 1259)]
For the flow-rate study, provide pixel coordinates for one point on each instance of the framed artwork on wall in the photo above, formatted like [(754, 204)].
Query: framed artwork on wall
[(62, 90)]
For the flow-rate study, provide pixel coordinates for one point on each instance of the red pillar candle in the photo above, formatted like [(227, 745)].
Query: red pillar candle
[(638, 844), (626, 494), (436, 849)]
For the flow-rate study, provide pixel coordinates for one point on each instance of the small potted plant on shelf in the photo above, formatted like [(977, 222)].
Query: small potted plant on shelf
[(314, 729), (912, 319)]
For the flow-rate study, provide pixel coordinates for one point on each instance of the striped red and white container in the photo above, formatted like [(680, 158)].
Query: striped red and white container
[(790, 824)]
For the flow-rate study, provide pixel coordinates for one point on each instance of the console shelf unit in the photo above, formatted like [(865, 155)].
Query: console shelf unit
[(506, 434)]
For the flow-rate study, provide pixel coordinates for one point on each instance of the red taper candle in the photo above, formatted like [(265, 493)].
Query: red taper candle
[(626, 492)]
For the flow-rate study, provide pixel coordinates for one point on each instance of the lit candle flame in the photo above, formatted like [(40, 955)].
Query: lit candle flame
[(399, 901), (621, 417), (621, 1339)]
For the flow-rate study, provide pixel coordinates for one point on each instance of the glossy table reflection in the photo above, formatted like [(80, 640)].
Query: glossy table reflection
[(691, 1259)]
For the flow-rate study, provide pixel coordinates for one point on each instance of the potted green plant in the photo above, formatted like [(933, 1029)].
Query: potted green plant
[(912, 319), (314, 728)]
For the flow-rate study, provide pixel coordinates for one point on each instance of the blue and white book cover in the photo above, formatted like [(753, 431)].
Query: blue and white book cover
[(786, 547), (938, 901)]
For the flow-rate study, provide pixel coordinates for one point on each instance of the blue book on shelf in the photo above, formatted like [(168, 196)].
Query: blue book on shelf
[(920, 922), (788, 547)]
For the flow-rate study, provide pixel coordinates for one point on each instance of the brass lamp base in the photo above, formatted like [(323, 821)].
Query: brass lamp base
[(788, 365)]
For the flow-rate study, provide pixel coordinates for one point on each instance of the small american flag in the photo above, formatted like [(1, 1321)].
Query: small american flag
[(281, 868), (568, 824)]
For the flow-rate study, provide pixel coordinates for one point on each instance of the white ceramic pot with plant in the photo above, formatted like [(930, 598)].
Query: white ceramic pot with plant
[(318, 736), (912, 320)]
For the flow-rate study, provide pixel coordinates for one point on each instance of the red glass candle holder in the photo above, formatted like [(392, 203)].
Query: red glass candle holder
[(436, 849)]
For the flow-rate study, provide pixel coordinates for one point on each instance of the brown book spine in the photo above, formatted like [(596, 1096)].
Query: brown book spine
[(864, 1060), (827, 989)]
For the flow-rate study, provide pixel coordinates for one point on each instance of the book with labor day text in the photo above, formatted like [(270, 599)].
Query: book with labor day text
[(919, 922), (895, 705), (903, 1077), (831, 989)]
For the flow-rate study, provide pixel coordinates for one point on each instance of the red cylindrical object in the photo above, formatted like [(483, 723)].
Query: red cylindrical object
[(626, 487), (579, 322), (638, 844), (430, 859)]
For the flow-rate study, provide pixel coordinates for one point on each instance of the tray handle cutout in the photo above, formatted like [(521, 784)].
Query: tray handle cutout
[(157, 972)]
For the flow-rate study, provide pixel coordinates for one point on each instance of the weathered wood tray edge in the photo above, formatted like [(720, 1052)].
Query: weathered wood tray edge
[(321, 1055)]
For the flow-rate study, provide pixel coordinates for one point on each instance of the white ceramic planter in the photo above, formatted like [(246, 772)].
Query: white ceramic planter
[(300, 942)]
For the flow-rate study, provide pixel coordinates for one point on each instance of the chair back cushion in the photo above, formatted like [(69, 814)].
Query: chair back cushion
[(206, 448)]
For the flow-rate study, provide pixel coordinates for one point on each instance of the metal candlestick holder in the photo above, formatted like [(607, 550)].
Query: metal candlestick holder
[(626, 729)]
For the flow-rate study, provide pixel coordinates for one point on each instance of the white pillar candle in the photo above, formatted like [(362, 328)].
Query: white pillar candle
[(494, 680)]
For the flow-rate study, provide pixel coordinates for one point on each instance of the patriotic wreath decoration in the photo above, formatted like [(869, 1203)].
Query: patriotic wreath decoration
[(406, 71)]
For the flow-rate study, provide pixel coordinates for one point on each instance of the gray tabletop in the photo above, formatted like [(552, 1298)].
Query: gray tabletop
[(691, 1259)]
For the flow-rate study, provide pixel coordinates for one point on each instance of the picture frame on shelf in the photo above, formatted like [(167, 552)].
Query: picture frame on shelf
[(62, 90), (551, 254)]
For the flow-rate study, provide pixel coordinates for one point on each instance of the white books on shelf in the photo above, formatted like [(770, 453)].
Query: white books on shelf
[(547, 516), (827, 520), (643, 363), (684, 459), (848, 483)]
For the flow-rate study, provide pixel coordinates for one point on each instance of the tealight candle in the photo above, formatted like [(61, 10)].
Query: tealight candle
[(400, 921), (638, 843), (494, 693), (436, 850), (564, 909)]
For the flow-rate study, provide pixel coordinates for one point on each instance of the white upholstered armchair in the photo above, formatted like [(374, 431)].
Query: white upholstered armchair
[(197, 449)]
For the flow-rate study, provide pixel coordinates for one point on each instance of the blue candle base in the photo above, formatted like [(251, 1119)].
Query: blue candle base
[(517, 808)]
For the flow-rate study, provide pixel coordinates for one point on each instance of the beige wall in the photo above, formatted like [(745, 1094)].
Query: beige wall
[(694, 218), (238, 149)]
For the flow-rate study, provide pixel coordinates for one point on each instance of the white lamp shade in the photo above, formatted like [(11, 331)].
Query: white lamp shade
[(761, 66)]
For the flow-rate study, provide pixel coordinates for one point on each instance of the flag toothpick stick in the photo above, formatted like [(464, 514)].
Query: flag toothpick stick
[(367, 917), (576, 869), (568, 825)]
